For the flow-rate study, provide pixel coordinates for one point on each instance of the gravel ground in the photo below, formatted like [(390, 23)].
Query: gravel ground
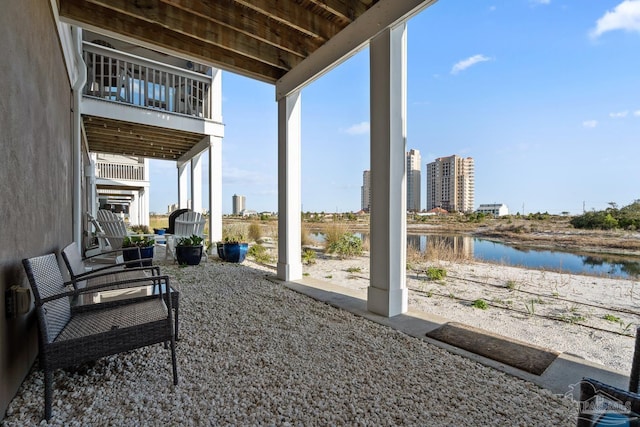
[(252, 352)]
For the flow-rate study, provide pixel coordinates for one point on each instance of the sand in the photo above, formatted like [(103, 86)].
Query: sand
[(591, 317)]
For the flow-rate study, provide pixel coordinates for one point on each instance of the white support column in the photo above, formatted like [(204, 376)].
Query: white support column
[(215, 189), (196, 183), (289, 194), (182, 184), (215, 95), (387, 292)]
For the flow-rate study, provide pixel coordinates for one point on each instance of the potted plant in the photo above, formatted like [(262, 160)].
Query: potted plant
[(136, 248), (220, 250), (189, 250), (234, 249)]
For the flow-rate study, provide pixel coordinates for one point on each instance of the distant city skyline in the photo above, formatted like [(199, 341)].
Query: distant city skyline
[(541, 93)]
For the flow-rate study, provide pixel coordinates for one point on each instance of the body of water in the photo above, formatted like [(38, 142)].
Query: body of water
[(485, 250)]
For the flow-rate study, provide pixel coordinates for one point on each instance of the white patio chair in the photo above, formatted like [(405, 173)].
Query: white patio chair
[(186, 224), (113, 227)]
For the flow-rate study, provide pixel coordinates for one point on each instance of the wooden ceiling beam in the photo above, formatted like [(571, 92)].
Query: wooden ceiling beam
[(184, 22), (149, 141), (119, 137), (294, 15), (250, 22), (115, 145), (81, 13), (347, 10), (135, 128)]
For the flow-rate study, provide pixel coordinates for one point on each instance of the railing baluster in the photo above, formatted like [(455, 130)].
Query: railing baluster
[(120, 77)]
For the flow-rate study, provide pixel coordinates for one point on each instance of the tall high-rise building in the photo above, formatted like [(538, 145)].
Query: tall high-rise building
[(451, 184), (413, 180), (365, 191), (238, 204)]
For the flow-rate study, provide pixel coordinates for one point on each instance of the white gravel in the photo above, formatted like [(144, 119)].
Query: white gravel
[(252, 352)]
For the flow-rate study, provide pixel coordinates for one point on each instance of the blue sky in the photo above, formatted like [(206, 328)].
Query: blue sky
[(543, 94)]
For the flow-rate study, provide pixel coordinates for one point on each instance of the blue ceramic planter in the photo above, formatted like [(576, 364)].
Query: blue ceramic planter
[(189, 255), (220, 249), (235, 252), (131, 256)]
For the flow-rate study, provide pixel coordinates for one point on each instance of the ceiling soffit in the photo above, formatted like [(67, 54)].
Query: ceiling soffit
[(262, 39)]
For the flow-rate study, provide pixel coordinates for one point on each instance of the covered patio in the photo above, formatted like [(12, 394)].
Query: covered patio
[(253, 352), (290, 44)]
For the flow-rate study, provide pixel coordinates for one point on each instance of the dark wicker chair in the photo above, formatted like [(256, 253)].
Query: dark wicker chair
[(605, 405), (634, 378), (110, 273), (70, 336)]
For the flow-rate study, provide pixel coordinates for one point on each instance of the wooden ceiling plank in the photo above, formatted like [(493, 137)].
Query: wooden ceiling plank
[(181, 21), (254, 24), (292, 14), (100, 18), (126, 127), (116, 147), (157, 146), (347, 10)]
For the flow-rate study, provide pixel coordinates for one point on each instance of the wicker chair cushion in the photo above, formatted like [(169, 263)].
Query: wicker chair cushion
[(57, 313), (93, 322)]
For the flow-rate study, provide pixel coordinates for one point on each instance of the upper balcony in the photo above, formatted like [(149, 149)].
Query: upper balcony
[(116, 76), (137, 106)]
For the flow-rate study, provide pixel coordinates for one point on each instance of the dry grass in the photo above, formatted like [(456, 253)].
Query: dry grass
[(255, 231), (333, 231), (437, 250), (234, 232), (305, 235)]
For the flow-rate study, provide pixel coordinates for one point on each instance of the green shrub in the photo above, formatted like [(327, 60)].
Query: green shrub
[(308, 256), (435, 273), (260, 254), (611, 318), (140, 229), (481, 304), (349, 245)]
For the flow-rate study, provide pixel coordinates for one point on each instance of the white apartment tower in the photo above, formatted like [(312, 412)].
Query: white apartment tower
[(451, 184), (366, 191), (413, 180), (238, 204)]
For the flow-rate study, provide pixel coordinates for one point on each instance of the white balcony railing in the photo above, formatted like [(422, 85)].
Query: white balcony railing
[(120, 171), (124, 78)]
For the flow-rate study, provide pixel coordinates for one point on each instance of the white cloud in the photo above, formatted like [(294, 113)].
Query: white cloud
[(619, 114), (358, 129), (636, 113), (536, 2), (590, 123), (625, 16), (466, 63)]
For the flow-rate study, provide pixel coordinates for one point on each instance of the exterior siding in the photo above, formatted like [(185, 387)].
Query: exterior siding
[(36, 179)]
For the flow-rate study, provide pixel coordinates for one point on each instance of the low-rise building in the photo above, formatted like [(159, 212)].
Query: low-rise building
[(495, 209)]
